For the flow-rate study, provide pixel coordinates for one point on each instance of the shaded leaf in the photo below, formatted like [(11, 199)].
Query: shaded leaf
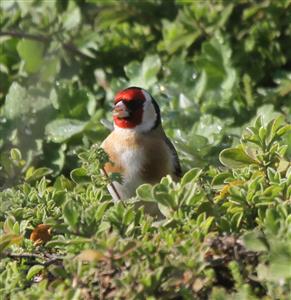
[(71, 214)]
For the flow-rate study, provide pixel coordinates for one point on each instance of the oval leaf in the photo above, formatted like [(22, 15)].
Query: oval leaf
[(37, 174), (191, 176), (31, 52), (34, 271), (80, 176), (254, 241), (145, 192), (15, 154), (71, 214), (235, 158), (62, 129)]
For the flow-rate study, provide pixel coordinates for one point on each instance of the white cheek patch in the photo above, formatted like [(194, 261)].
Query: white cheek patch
[(149, 116)]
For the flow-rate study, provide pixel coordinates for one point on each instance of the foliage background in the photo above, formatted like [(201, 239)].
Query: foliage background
[(213, 67)]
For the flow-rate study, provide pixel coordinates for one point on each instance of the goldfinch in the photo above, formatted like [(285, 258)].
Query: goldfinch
[(138, 147)]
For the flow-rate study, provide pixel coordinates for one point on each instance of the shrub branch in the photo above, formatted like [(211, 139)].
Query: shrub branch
[(70, 47)]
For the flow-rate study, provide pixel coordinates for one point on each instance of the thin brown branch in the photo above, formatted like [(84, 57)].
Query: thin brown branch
[(52, 261), (24, 256), (47, 258), (113, 187), (39, 38), (43, 39)]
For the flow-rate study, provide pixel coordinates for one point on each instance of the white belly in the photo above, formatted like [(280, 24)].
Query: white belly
[(131, 161)]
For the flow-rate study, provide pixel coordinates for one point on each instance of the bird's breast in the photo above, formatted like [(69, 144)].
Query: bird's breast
[(125, 153), (139, 159)]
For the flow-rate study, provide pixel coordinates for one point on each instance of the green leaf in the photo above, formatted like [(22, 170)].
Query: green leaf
[(176, 36), (15, 154), (219, 179), (266, 114), (280, 265), (276, 124), (33, 271), (145, 74), (50, 68), (150, 68), (21, 103), (145, 192), (191, 176), (216, 66), (285, 129), (61, 130), (72, 18), (161, 194), (165, 210), (236, 158), (14, 104), (255, 241), (80, 176), (8, 224), (33, 175), (31, 52), (9, 239), (262, 133), (272, 220), (210, 127), (5, 241), (71, 214), (101, 209), (258, 122)]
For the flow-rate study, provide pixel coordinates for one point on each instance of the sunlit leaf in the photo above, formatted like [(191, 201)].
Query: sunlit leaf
[(32, 54), (62, 129), (236, 158)]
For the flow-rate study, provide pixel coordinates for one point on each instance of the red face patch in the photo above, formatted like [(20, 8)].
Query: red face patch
[(128, 96)]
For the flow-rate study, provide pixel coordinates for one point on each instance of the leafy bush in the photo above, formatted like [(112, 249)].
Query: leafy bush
[(220, 72)]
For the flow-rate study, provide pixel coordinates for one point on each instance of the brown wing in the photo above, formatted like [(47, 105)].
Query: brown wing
[(178, 170), (157, 162)]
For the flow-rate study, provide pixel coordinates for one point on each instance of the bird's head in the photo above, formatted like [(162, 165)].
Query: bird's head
[(135, 108)]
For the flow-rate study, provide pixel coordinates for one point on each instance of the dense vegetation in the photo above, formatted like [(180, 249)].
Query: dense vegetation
[(221, 73)]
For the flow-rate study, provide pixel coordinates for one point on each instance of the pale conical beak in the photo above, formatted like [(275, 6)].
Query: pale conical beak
[(120, 111)]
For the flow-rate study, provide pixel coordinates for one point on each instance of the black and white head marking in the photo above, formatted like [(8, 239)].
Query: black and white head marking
[(151, 114)]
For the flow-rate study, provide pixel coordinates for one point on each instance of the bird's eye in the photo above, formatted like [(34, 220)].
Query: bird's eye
[(135, 104)]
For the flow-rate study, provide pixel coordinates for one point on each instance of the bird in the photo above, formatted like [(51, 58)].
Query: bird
[(138, 147)]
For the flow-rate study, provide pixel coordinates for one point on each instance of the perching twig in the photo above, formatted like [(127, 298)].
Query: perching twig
[(113, 187)]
